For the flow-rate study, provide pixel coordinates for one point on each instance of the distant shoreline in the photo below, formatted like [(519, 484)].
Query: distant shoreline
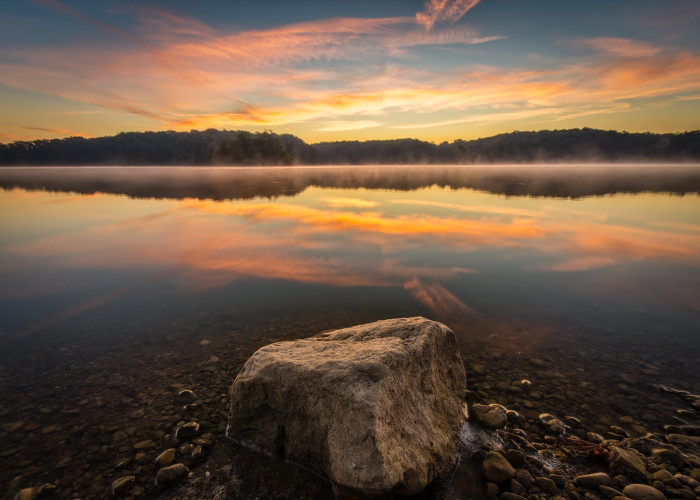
[(241, 148)]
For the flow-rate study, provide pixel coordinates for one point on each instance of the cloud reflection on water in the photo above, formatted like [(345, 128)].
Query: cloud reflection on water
[(352, 238)]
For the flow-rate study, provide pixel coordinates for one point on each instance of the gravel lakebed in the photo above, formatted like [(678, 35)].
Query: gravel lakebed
[(89, 419)]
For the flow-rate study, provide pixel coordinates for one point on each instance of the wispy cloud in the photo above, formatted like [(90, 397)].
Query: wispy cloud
[(66, 9), (338, 75), (339, 126), (443, 10), (43, 129), (620, 47)]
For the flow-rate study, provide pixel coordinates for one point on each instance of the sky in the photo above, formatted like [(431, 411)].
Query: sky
[(436, 70)]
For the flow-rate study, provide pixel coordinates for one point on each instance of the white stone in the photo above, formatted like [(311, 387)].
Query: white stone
[(377, 408)]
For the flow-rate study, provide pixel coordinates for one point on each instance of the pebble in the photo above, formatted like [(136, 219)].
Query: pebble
[(142, 445), (45, 490), (546, 485), (683, 440), (187, 431), (171, 474), (12, 426), (166, 458), (593, 481), (122, 485), (137, 414), (666, 477), (204, 342), (552, 423), (609, 491), (594, 437), (511, 496), (642, 492), (628, 463), (492, 490), (496, 468), (492, 416), (186, 396)]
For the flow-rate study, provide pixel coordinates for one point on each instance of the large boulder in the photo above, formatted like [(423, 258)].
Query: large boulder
[(377, 408)]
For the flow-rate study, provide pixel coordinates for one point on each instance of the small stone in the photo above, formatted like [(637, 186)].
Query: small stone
[(492, 490), (496, 468), (687, 480), (492, 416), (593, 481), (619, 431), (511, 496), (642, 492), (12, 426), (137, 414), (594, 437), (524, 477), (552, 423), (682, 440), (513, 416), (628, 463), (559, 480), (627, 420), (171, 474), (609, 491), (142, 445), (666, 477), (546, 485), (187, 431), (672, 457), (186, 396), (45, 490), (517, 488), (166, 458), (515, 457), (573, 421), (142, 459), (185, 449), (122, 485), (204, 342), (119, 436), (197, 453)]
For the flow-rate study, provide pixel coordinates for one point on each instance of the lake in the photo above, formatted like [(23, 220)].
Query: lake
[(121, 286)]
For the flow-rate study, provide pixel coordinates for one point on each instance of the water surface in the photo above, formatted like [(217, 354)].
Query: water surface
[(120, 286)]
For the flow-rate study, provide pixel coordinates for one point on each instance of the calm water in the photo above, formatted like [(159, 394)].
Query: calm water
[(120, 286)]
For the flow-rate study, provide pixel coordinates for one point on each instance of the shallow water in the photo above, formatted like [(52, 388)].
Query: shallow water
[(584, 281)]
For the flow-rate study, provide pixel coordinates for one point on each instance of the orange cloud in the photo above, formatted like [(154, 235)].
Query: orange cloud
[(437, 298), (183, 74), (483, 232), (589, 246), (443, 10), (621, 47)]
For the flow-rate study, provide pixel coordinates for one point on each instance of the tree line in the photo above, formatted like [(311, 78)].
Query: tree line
[(224, 147)]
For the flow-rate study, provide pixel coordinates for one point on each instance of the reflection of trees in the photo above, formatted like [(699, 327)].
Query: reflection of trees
[(243, 183)]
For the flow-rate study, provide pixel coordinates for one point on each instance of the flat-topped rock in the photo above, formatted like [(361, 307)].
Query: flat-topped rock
[(377, 408)]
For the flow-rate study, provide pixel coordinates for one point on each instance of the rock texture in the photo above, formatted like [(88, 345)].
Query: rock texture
[(377, 407)]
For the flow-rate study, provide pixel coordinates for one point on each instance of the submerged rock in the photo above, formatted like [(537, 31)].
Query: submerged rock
[(642, 492), (121, 486), (496, 468), (552, 424), (628, 463), (377, 407), (492, 416), (171, 474)]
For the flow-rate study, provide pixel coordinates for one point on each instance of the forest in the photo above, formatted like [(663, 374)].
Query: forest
[(224, 147)]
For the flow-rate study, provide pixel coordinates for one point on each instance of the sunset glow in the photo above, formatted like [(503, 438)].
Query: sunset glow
[(434, 70)]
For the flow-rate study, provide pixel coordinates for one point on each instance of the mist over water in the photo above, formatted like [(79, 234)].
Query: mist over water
[(584, 280)]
